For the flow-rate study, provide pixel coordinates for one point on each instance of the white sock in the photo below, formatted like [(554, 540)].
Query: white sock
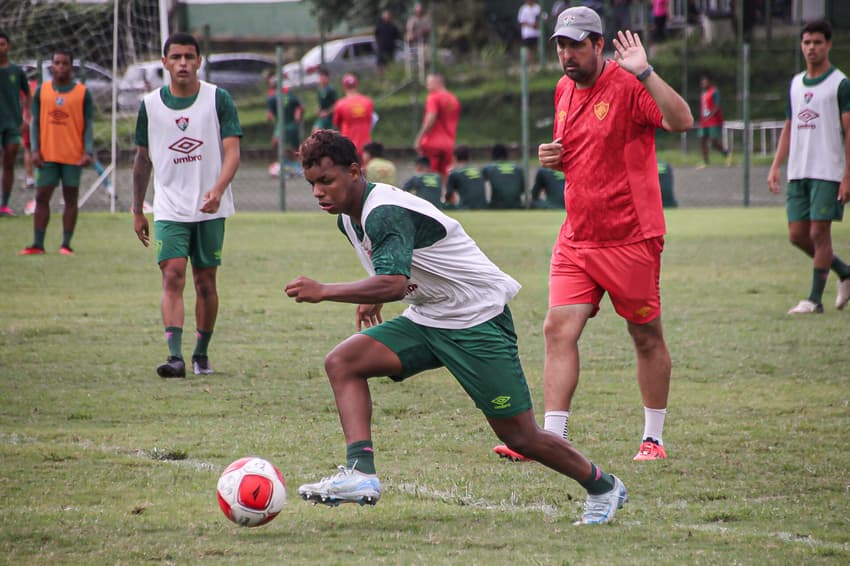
[(653, 424), (557, 422)]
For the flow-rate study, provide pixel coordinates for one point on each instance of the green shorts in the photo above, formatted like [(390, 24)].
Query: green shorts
[(10, 136), (201, 242), (813, 199), (711, 132), (292, 136), (484, 359), (53, 173)]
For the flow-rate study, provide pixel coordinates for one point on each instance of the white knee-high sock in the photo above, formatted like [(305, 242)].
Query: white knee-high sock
[(557, 422), (653, 424)]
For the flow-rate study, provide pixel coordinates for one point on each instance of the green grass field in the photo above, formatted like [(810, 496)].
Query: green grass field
[(102, 462)]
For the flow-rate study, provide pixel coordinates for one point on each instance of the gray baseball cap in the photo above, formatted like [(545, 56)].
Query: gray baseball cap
[(577, 23)]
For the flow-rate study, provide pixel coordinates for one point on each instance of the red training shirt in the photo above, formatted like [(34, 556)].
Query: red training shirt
[(611, 189), (353, 117), (710, 113), (447, 108)]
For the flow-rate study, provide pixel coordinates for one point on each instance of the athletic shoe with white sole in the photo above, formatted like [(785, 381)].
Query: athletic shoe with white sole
[(650, 450), (346, 486), (807, 307), (601, 508), (201, 365), (842, 297)]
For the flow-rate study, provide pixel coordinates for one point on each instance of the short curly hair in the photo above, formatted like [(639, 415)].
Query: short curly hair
[(331, 144)]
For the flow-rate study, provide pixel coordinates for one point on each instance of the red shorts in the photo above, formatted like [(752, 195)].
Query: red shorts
[(630, 274), (441, 159), (25, 136)]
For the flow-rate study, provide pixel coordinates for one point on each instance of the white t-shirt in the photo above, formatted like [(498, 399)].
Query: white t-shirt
[(527, 18)]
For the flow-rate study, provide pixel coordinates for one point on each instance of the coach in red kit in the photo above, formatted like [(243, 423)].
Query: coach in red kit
[(606, 114)]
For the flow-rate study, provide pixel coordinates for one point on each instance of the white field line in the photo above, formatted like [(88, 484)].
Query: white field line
[(14, 438), (806, 540), (454, 496), (465, 499)]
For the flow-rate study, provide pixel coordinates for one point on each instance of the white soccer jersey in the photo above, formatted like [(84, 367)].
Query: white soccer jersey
[(817, 141), (452, 283), (186, 151), (527, 18)]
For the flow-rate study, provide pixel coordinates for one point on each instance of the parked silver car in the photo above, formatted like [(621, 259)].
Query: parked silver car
[(235, 72), (358, 54), (98, 80)]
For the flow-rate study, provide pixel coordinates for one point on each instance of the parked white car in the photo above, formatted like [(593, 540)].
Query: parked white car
[(235, 72), (358, 54), (97, 79)]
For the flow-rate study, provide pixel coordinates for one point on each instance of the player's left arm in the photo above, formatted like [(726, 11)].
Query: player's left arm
[(231, 132), (844, 187), (844, 109), (631, 56), (88, 130), (25, 89)]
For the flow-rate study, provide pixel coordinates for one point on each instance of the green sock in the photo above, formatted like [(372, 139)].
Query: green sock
[(598, 482), (66, 238), (360, 455), (174, 336), (840, 268), (202, 342), (38, 238), (819, 277), (4, 200)]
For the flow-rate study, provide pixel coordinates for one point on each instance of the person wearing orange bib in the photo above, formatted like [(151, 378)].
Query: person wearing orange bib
[(62, 140)]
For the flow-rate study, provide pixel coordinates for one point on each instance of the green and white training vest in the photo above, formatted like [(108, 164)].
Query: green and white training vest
[(452, 283), (817, 141), (186, 151)]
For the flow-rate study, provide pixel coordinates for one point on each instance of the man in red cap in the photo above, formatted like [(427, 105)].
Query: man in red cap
[(353, 114)]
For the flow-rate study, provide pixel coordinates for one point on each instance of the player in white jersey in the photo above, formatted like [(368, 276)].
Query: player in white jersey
[(815, 140), (187, 134), (457, 318)]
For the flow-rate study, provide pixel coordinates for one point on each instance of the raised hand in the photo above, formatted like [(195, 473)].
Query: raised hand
[(630, 53)]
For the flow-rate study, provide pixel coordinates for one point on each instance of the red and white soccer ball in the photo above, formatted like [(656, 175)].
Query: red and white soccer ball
[(251, 492)]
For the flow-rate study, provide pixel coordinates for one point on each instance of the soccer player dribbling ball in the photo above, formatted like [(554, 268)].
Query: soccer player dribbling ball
[(457, 318)]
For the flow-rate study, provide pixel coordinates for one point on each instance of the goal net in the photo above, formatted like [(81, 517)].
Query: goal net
[(105, 39)]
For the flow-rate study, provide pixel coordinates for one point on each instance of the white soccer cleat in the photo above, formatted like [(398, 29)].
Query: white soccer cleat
[(806, 307), (601, 508), (346, 486), (843, 295)]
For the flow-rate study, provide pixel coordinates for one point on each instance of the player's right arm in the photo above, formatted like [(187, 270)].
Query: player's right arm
[(782, 149), (142, 168), (35, 129), (549, 154)]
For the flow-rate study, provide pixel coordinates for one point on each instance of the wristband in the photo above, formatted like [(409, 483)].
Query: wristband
[(644, 74)]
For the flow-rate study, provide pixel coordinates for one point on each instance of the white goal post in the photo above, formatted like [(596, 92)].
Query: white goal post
[(105, 37)]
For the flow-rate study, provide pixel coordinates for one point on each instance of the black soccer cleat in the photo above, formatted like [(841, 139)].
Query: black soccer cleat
[(174, 367)]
